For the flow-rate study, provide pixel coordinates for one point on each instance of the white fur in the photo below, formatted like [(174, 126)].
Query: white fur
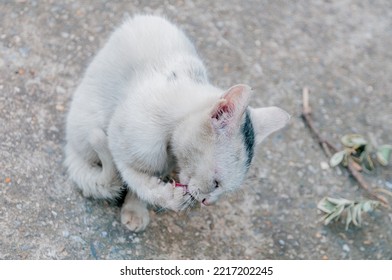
[(145, 108)]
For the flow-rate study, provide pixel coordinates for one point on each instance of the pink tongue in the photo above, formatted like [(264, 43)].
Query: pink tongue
[(204, 202)]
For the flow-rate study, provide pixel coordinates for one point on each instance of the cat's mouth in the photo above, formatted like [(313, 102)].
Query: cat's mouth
[(192, 200)]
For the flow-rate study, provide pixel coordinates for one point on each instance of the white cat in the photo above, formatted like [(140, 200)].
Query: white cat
[(144, 108)]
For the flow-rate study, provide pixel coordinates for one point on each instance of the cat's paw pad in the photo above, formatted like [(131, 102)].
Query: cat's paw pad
[(135, 220)]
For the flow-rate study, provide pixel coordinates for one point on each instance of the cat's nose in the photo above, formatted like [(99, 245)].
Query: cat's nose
[(208, 201)]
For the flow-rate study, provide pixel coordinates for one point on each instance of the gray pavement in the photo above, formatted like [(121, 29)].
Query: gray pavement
[(341, 50)]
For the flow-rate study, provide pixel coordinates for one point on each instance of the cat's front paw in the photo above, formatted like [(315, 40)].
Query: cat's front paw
[(178, 198)]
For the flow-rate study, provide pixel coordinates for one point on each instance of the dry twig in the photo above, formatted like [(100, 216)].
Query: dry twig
[(329, 149)]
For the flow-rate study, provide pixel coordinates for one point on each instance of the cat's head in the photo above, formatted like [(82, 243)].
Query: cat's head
[(214, 150)]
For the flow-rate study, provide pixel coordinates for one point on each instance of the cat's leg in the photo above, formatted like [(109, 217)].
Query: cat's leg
[(108, 180), (92, 168), (134, 213), (154, 191)]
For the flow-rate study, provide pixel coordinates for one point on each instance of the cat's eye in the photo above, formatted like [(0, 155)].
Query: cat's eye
[(216, 184)]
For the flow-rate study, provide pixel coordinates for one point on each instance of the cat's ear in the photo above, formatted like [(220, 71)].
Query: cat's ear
[(227, 113), (267, 120)]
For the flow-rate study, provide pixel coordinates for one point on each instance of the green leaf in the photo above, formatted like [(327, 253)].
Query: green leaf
[(353, 140), (346, 159), (383, 154), (356, 214), (335, 208), (369, 205), (367, 163), (349, 217), (337, 158), (326, 206), (335, 215), (339, 201)]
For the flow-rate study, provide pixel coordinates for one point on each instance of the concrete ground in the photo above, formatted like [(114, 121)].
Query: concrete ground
[(340, 49)]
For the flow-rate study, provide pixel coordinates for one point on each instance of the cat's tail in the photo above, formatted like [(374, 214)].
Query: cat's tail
[(95, 179)]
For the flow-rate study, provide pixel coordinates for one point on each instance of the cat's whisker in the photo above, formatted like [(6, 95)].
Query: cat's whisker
[(160, 210), (189, 202), (187, 211)]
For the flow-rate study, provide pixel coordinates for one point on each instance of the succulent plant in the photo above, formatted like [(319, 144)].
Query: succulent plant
[(339, 208), (358, 149)]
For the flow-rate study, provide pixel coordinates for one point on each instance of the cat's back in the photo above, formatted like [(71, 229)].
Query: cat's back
[(139, 44), (146, 39)]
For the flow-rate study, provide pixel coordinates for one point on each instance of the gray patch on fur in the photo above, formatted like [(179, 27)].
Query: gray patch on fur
[(249, 138)]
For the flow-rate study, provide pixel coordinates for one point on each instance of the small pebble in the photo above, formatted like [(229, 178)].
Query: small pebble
[(61, 90), (60, 107), (78, 239), (263, 174), (24, 51), (369, 89), (346, 248), (136, 240), (312, 169), (324, 165)]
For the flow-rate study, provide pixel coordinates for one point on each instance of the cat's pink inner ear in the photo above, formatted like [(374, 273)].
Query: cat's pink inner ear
[(224, 109), (231, 106)]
